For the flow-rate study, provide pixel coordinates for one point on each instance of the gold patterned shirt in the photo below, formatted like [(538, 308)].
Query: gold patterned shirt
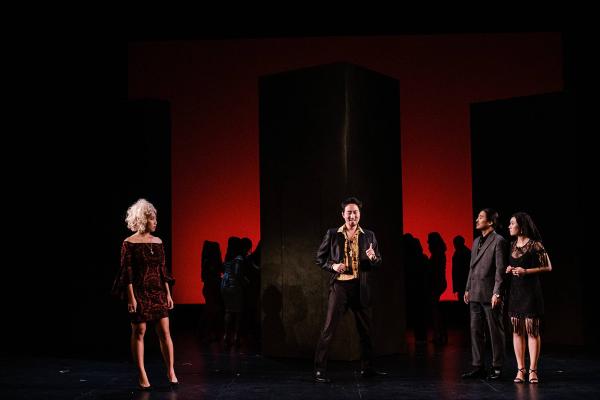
[(351, 254)]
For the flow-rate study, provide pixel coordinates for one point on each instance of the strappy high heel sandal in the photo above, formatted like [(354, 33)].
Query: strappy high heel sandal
[(519, 380), (533, 380)]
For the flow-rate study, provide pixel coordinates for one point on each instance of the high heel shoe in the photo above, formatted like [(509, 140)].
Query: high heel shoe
[(172, 384), (145, 388), (533, 380), (519, 380)]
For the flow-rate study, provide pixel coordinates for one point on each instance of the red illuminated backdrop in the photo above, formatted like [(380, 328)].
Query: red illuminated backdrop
[(212, 86)]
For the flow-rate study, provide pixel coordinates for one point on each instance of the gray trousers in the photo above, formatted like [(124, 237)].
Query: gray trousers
[(480, 313)]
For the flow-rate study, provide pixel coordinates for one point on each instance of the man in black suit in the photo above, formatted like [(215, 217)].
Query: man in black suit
[(348, 253), (484, 292)]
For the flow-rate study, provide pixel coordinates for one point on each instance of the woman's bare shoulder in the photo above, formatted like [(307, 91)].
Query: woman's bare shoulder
[(132, 239)]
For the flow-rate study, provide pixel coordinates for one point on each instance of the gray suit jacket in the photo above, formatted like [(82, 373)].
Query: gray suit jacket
[(486, 275)]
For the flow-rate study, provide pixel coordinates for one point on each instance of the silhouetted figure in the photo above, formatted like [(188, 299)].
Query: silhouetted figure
[(252, 297), (255, 256), (416, 290), (437, 285), (234, 248), (460, 271), (528, 259), (212, 268), (232, 290)]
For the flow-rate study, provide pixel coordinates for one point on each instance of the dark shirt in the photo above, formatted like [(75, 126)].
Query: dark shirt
[(482, 241)]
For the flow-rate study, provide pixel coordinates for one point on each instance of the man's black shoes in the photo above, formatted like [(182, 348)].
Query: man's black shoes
[(477, 373), (320, 377), (495, 374)]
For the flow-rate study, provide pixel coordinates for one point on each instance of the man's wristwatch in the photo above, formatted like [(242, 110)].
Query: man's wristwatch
[(497, 295)]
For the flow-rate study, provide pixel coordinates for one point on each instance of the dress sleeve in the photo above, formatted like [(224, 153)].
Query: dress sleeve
[(125, 275), (541, 256), (165, 275)]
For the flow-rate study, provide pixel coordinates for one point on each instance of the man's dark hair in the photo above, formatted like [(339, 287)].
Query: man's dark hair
[(493, 217), (351, 200)]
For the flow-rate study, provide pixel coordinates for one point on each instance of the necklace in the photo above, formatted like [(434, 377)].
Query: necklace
[(145, 237)]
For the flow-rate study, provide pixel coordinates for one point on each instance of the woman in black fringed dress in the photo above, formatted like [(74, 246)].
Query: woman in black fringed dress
[(528, 259)]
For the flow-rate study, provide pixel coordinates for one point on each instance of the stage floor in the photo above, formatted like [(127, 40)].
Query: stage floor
[(208, 372)]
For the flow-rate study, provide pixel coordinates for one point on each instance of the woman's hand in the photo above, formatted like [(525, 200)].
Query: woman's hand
[(518, 271), (170, 303), (339, 268), (132, 305), (509, 269)]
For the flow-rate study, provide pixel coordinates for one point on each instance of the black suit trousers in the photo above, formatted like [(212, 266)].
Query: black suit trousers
[(344, 295)]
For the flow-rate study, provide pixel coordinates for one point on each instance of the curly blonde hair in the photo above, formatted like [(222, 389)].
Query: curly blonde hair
[(138, 215)]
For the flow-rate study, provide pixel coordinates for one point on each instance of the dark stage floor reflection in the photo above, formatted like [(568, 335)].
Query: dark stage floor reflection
[(206, 371)]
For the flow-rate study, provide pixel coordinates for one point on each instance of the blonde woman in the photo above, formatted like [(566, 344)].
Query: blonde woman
[(144, 282)]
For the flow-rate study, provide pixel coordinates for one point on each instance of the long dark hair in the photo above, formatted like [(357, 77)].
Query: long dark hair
[(527, 226)]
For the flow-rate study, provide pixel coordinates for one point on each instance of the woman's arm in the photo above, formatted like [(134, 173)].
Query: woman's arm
[(545, 267), (131, 301), (170, 303)]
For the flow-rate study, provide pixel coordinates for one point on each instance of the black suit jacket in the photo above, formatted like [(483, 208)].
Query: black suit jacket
[(331, 252)]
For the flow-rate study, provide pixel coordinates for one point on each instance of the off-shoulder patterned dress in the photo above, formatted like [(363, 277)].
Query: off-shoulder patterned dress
[(143, 265)]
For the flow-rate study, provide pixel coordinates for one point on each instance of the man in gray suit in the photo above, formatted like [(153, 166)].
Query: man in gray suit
[(483, 293)]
